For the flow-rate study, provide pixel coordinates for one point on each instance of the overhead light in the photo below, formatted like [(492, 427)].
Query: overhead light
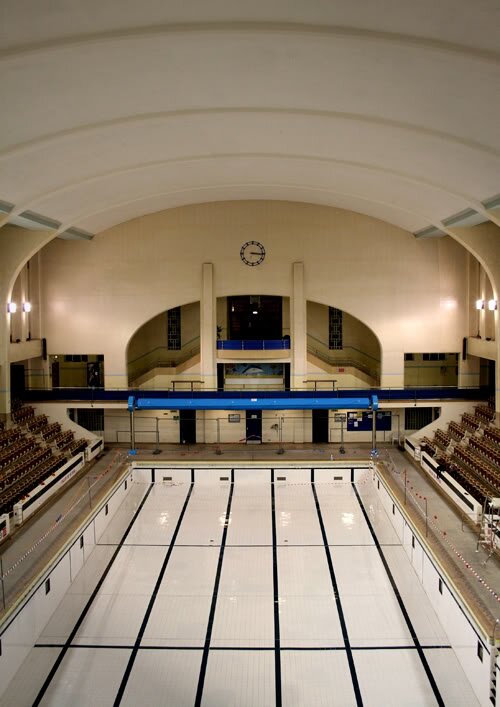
[(492, 305), (255, 311), (480, 304), (11, 307), (26, 306)]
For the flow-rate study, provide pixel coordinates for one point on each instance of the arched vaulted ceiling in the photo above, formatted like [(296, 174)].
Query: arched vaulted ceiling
[(116, 108)]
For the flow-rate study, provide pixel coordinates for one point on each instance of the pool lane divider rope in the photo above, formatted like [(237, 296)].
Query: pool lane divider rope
[(402, 606), (87, 606), (213, 605), (340, 611)]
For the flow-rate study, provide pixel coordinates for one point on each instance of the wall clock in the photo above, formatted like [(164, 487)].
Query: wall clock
[(252, 253)]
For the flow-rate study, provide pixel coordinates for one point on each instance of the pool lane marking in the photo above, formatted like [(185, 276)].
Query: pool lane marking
[(402, 606), (276, 605), (142, 629), (211, 616), (343, 625), (87, 606)]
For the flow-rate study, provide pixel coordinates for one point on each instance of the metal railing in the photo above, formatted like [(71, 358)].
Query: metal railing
[(253, 344), (348, 356), (162, 357)]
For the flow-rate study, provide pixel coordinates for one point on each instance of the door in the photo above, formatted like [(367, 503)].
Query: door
[(220, 376), (187, 426), (55, 374), (17, 385), (320, 426), (254, 426), (94, 375), (287, 376)]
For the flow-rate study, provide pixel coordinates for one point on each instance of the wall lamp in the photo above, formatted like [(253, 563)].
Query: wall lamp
[(11, 307), (26, 306), (479, 304), (492, 305)]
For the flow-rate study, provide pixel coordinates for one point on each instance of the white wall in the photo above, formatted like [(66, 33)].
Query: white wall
[(409, 292), (462, 630), (23, 625)]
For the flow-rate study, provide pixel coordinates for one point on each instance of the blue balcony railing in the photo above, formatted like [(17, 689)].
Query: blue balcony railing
[(253, 344)]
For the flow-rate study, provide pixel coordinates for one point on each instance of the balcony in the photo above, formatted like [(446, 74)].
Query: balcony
[(253, 344), (253, 349)]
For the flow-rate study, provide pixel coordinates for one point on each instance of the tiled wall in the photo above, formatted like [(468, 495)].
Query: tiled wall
[(462, 630), (21, 628)]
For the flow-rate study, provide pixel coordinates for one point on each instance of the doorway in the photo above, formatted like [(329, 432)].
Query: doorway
[(254, 427), (55, 374), (320, 426), (253, 317), (17, 380), (187, 426)]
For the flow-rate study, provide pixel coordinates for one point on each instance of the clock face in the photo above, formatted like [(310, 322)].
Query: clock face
[(252, 253)]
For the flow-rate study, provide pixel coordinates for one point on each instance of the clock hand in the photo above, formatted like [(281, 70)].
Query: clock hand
[(252, 252)]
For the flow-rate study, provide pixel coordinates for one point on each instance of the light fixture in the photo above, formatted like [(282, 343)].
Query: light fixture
[(492, 305), (480, 304), (26, 306), (11, 307), (255, 311)]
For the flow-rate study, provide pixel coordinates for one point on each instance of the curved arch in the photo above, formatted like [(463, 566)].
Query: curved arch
[(228, 187), (47, 139), (73, 186), (156, 353), (252, 27), (365, 361)]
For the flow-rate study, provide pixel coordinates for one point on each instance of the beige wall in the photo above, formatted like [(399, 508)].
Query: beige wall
[(409, 292), (419, 372), (355, 333)]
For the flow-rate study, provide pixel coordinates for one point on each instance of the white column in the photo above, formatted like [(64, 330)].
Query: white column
[(208, 328), (468, 371), (393, 369), (298, 322), (4, 362)]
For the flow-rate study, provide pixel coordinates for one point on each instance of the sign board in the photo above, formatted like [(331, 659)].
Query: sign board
[(234, 418), (339, 417), (363, 421)]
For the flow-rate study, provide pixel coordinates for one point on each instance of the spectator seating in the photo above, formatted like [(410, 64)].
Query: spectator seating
[(471, 422), (456, 431), (489, 450), (51, 432), (23, 415), (475, 459), (27, 457), (484, 413), (77, 446), (442, 440), (9, 436), (492, 434), (64, 439), (36, 424), (17, 490), (15, 451)]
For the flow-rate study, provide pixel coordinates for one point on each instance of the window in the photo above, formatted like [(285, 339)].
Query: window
[(413, 541), (480, 651), (81, 542), (440, 586), (409, 357), (47, 585), (174, 329), (416, 418), (335, 337), (106, 510)]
